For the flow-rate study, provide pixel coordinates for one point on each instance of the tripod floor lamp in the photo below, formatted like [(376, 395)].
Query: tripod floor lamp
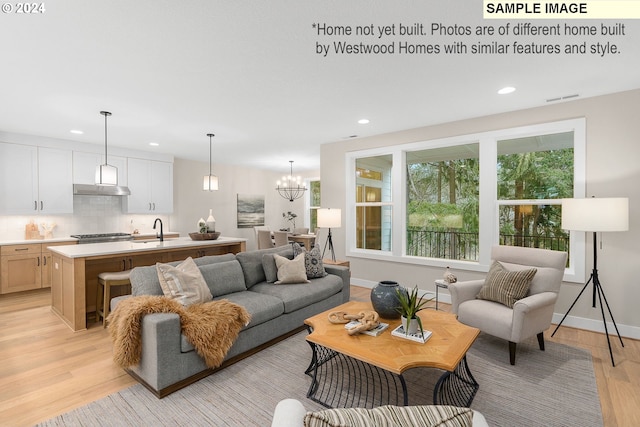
[(592, 214), (329, 218)]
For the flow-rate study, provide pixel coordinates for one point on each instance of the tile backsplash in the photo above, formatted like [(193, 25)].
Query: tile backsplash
[(91, 214)]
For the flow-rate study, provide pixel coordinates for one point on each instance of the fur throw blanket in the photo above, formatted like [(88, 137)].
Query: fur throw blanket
[(211, 327)]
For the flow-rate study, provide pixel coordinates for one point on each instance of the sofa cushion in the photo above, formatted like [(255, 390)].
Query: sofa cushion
[(262, 308), (251, 263), (144, 280), (295, 297), (312, 261), (504, 286), (391, 416), (183, 282), (290, 270), (223, 277)]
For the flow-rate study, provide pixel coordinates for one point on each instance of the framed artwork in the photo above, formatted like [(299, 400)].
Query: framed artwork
[(250, 210)]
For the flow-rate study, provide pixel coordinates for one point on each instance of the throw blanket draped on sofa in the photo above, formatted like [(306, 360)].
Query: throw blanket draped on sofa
[(211, 327)]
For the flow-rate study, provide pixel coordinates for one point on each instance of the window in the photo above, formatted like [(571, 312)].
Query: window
[(534, 174), (373, 203), (313, 204), (442, 202), (454, 198)]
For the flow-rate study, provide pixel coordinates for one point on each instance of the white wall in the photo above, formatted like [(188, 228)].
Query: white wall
[(191, 203), (613, 170)]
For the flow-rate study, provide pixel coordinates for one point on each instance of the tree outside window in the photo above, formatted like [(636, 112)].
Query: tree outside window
[(442, 202), (534, 174)]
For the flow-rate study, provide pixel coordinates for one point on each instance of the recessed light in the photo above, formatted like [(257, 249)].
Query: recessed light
[(363, 121), (76, 131), (506, 90), (154, 144)]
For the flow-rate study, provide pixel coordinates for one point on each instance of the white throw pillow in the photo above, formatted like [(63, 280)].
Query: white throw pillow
[(290, 270), (184, 282)]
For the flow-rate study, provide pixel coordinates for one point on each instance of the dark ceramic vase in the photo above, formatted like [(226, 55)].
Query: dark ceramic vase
[(385, 299)]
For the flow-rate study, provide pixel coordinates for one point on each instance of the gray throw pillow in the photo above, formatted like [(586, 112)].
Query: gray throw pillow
[(223, 278)]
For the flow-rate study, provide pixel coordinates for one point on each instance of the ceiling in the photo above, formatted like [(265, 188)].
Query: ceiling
[(248, 71)]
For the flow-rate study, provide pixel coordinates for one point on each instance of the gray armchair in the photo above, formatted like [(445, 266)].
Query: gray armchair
[(530, 315)]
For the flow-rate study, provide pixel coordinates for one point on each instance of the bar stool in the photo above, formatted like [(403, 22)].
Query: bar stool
[(103, 296)]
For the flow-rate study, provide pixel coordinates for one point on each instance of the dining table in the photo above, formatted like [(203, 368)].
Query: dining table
[(306, 239)]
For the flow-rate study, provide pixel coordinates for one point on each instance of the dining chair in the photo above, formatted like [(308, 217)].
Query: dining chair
[(264, 239), (281, 238)]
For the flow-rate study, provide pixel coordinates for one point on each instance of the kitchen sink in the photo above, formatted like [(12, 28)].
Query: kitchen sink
[(153, 240)]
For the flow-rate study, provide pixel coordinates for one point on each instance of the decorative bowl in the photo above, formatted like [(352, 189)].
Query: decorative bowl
[(204, 236)]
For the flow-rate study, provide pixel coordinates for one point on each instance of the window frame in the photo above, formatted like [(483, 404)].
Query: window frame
[(307, 202), (488, 199)]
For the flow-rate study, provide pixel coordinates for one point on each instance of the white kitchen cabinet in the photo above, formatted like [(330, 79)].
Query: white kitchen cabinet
[(84, 167), (151, 186), (55, 181), (35, 180)]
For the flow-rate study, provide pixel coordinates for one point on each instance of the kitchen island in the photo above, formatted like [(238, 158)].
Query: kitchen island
[(75, 268)]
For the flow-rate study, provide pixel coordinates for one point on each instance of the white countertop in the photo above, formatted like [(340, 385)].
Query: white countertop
[(98, 249), (37, 241)]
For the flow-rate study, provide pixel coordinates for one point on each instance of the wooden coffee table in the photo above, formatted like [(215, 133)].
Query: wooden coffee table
[(365, 371)]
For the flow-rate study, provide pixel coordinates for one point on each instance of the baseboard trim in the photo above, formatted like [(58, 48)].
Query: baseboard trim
[(593, 325)]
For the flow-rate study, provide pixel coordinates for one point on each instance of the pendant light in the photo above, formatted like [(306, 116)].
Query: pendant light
[(210, 182), (291, 187), (106, 174)]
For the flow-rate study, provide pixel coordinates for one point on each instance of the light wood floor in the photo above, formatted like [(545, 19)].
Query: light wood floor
[(46, 369)]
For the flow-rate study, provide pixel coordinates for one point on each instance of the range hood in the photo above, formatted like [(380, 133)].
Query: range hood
[(100, 190)]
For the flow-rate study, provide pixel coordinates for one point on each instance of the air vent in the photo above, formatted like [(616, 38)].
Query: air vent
[(562, 98)]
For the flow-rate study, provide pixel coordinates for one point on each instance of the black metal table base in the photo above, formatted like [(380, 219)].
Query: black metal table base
[(340, 381)]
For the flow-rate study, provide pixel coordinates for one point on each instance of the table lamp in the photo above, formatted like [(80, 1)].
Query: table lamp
[(329, 218), (596, 215)]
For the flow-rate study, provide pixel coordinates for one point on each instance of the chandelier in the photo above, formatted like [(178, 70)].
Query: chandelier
[(291, 187)]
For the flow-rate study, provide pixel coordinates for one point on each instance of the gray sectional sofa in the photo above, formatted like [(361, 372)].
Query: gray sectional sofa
[(169, 362)]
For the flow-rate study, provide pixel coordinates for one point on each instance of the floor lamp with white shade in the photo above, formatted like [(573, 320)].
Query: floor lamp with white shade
[(596, 215), (329, 218)]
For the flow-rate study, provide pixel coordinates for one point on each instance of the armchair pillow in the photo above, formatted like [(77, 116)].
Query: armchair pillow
[(505, 286), (290, 271), (184, 282)]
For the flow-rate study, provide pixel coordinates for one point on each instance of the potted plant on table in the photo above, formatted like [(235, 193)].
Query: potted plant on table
[(410, 305)]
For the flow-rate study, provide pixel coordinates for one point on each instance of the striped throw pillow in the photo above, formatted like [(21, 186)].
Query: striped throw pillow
[(505, 286), (392, 416)]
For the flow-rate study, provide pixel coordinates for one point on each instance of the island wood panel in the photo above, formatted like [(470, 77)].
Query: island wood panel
[(47, 269), (93, 267), (179, 255), (67, 291), (74, 287)]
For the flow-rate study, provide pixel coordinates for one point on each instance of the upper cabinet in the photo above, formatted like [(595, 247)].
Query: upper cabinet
[(84, 167), (35, 180), (151, 186)]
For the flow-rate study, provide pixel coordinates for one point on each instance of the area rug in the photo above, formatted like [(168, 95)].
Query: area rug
[(556, 387)]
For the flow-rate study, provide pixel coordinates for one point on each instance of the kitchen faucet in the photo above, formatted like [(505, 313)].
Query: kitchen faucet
[(161, 232)]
